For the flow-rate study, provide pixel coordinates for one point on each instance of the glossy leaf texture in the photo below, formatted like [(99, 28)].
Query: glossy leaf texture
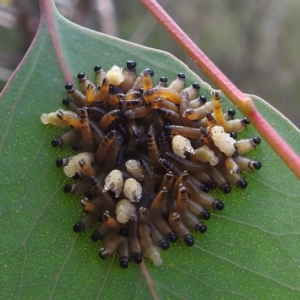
[(251, 248)]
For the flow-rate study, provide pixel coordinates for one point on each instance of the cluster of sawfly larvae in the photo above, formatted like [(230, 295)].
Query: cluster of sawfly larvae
[(147, 156)]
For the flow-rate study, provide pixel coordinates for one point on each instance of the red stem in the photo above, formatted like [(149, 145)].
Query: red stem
[(47, 7), (242, 101)]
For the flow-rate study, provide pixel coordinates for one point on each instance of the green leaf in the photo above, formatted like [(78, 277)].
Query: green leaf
[(251, 249)]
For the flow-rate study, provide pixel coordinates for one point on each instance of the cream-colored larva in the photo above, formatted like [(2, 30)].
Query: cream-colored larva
[(223, 140), (73, 165), (125, 210), (205, 154), (181, 145), (150, 250), (132, 190), (52, 118), (134, 168), (115, 75), (114, 181)]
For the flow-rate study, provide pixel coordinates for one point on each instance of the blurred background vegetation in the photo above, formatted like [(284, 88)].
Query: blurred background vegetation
[(255, 43)]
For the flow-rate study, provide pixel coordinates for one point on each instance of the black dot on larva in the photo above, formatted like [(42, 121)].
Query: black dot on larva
[(196, 86), (231, 112), (205, 189), (202, 228), (256, 140), (131, 64), (59, 162), (149, 71), (243, 183), (163, 79), (257, 165), (65, 101), (67, 188), (226, 189), (233, 135), (219, 205), (181, 75), (97, 68), (189, 241), (78, 227), (203, 99), (68, 86), (123, 264), (95, 237), (172, 237), (164, 245), (206, 215), (80, 75), (137, 258), (55, 142)]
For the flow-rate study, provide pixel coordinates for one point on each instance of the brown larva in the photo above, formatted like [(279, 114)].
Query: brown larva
[(148, 155)]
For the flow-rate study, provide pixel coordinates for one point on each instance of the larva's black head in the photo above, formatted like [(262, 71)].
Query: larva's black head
[(203, 99), (205, 189), (97, 68), (123, 263), (67, 188), (131, 65), (233, 135), (219, 205), (69, 86), (196, 86), (75, 146), (88, 194), (95, 236), (123, 231), (245, 121), (55, 142), (242, 183), (65, 101), (231, 112), (78, 227), (189, 241), (181, 75), (256, 140), (164, 245), (59, 162), (205, 215), (137, 258), (201, 228), (149, 71), (211, 184), (80, 75), (102, 254), (235, 154), (257, 165), (172, 237), (163, 79), (226, 189)]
